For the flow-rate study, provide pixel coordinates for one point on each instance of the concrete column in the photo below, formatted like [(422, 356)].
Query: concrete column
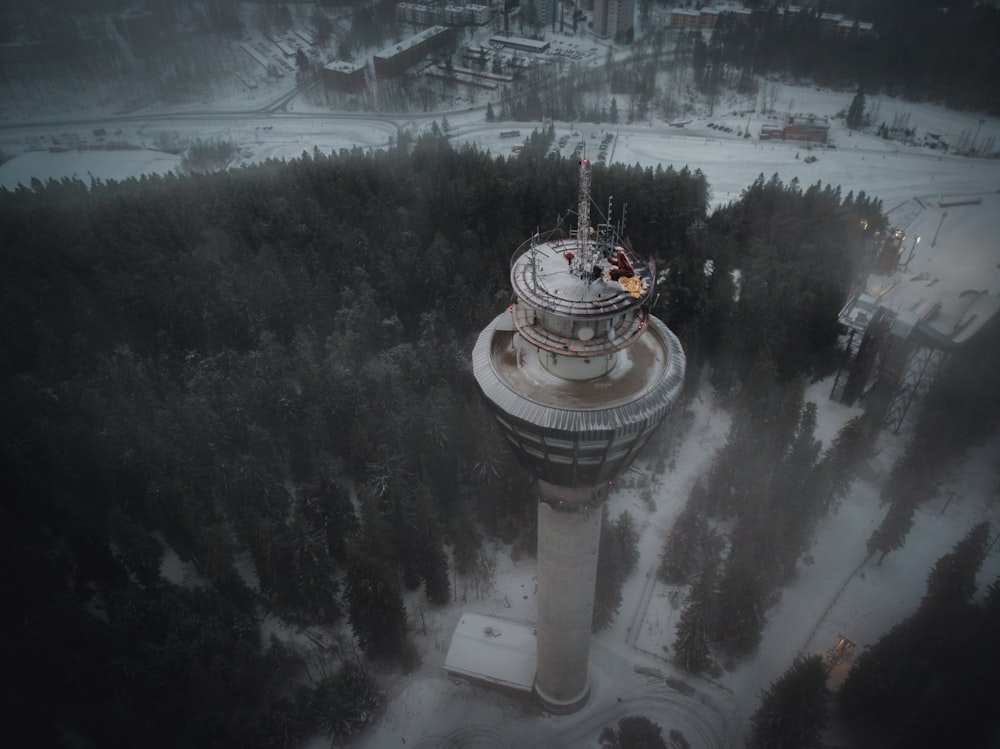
[(568, 542)]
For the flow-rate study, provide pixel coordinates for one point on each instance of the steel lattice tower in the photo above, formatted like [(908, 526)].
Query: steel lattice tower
[(578, 375)]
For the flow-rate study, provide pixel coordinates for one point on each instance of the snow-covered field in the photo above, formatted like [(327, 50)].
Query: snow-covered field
[(889, 170), (838, 593)]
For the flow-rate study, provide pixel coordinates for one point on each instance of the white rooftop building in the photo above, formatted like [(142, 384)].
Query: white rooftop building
[(493, 650), (936, 285)]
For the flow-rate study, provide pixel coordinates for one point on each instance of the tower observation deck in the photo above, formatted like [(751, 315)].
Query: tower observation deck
[(578, 375)]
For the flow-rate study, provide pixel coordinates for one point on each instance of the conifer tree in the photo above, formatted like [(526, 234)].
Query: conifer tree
[(856, 113), (617, 556), (741, 596), (691, 646), (433, 562), (374, 606), (928, 681), (952, 579), (892, 531), (633, 732), (793, 710), (839, 462), (627, 538), (685, 544)]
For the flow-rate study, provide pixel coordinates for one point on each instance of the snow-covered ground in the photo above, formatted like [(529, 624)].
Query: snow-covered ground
[(837, 592), (887, 169)]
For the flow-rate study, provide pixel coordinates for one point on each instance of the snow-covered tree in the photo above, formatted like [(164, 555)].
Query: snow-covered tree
[(374, 607), (793, 711), (617, 557), (691, 647), (952, 579), (633, 732)]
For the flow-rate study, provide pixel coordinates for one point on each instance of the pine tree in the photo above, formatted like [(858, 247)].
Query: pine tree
[(793, 711), (856, 113), (433, 562), (796, 498), (952, 579), (627, 538), (741, 597), (892, 531), (929, 680), (490, 117), (610, 574), (617, 558), (374, 606), (840, 461), (343, 702), (634, 732), (688, 544), (691, 646)]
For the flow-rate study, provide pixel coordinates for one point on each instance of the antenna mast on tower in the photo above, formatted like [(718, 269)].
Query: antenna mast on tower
[(587, 259)]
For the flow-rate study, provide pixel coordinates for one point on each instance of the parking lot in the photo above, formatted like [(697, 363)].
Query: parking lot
[(594, 143)]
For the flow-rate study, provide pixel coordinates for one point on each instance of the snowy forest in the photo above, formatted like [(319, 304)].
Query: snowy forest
[(262, 375), (266, 373)]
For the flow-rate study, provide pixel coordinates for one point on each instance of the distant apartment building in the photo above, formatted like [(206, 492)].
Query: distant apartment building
[(705, 19), (546, 11), (344, 76), (614, 18), (520, 43), (448, 15), (683, 19), (398, 57)]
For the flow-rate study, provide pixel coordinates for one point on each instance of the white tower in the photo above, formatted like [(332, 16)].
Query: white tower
[(578, 375)]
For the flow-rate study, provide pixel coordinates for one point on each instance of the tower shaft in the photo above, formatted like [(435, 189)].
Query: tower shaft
[(568, 543)]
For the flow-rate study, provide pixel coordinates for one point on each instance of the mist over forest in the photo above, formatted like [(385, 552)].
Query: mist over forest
[(262, 376)]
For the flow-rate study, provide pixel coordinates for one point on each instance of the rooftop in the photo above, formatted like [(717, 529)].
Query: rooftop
[(546, 275), (948, 282), (411, 41), (493, 650)]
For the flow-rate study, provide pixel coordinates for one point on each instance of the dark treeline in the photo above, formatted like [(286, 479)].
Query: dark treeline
[(265, 373), (919, 50), (961, 409), (927, 682), (749, 520)]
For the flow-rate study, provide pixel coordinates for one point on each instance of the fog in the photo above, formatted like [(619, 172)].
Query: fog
[(112, 92)]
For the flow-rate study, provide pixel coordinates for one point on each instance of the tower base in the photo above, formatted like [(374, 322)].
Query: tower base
[(564, 707)]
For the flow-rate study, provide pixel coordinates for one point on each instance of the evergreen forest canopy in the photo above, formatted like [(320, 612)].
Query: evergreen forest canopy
[(266, 372), (924, 50)]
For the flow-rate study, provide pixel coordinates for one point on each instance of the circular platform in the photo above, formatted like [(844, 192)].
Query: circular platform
[(578, 433)]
